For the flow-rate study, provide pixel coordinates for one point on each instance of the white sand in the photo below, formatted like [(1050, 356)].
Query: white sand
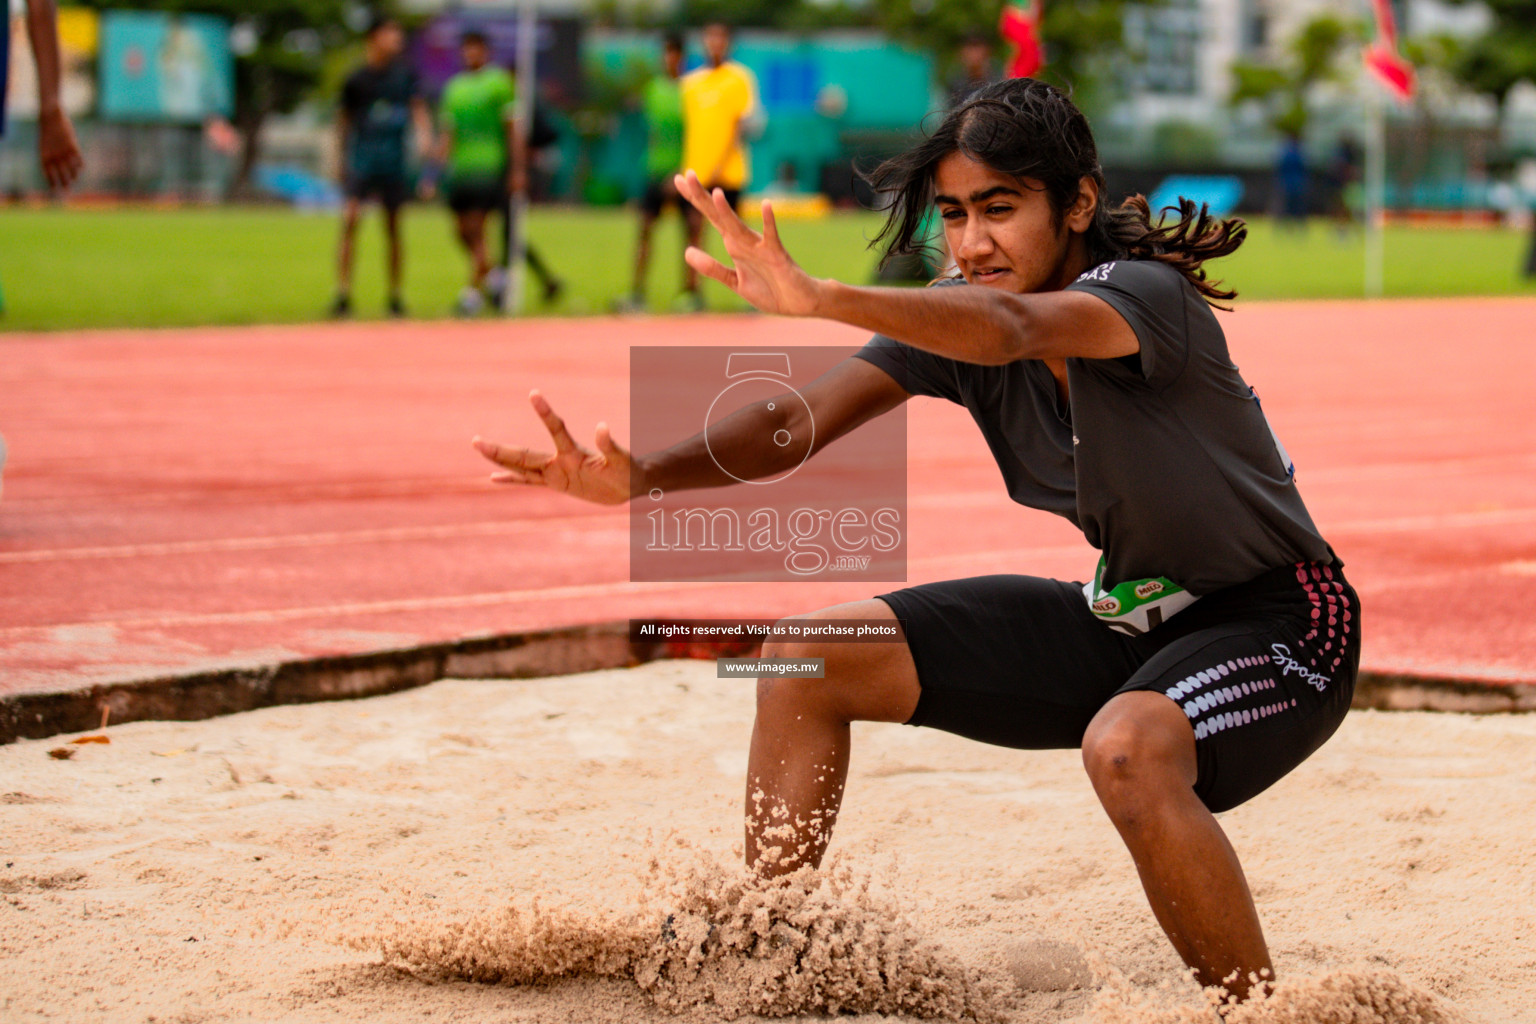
[(215, 871)]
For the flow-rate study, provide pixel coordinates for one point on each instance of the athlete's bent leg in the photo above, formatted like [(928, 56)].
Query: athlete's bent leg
[(800, 740), (1140, 753)]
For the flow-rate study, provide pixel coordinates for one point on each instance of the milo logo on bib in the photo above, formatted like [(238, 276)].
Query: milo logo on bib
[(1135, 606)]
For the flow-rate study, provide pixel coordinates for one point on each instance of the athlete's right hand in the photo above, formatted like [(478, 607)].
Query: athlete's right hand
[(763, 272), (602, 476)]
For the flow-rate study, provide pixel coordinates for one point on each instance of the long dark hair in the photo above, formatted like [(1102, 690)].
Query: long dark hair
[(1029, 129)]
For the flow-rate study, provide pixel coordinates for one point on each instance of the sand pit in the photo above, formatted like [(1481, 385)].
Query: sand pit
[(366, 860)]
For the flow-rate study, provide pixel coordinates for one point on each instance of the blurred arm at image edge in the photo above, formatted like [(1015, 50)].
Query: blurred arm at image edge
[(57, 149)]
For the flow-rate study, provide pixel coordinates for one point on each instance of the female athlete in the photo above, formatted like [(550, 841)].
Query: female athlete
[(1216, 646)]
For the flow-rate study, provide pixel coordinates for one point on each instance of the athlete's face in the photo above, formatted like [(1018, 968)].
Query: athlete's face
[(1001, 230), (390, 40), (672, 59), (476, 54), (717, 44)]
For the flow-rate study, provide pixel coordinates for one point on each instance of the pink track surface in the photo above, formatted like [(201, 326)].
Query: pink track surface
[(179, 501)]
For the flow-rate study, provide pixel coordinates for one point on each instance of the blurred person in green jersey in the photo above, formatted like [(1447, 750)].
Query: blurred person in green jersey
[(662, 103), (485, 153), (381, 103)]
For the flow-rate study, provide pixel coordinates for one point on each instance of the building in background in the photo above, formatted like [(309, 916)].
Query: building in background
[(1173, 109)]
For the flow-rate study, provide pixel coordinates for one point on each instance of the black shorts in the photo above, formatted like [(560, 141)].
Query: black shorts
[(391, 190), (658, 195), (1265, 670), (482, 195)]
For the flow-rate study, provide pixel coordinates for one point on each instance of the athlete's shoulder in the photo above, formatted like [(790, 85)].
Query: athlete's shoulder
[(1129, 272), (1150, 280)]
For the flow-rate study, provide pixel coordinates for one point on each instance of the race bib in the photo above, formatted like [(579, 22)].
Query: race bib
[(1135, 606)]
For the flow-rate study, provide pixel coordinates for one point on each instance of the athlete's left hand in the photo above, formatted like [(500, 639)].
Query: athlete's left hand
[(763, 272)]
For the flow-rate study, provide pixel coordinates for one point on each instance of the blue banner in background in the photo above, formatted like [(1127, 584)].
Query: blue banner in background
[(165, 67)]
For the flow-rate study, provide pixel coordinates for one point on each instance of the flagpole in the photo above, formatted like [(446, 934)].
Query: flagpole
[(527, 83), (1375, 188)]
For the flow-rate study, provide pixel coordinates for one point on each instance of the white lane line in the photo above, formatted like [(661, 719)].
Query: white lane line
[(299, 540), (992, 559), (583, 590), (385, 534), (219, 495), (426, 486), (1436, 521), (365, 607)]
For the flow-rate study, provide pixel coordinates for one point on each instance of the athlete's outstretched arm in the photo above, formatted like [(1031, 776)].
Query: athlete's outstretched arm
[(851, 393), (973, 325)]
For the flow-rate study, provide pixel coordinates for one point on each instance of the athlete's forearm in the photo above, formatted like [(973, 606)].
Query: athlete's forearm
[(43, 33), (973, 325), (740, 437)]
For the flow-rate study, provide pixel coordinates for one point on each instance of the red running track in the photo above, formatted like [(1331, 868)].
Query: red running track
[(179, 501)]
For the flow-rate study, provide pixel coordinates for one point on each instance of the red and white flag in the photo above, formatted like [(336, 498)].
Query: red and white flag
[(1020, 26), (1382, 58)]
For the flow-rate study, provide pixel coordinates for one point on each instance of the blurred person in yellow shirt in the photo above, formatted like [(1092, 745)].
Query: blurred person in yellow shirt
[(719, 103)]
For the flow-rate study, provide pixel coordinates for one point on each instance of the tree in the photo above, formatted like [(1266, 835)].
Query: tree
[(1506, 54), (1081, 38), (787, 15), (285, 59), (1310, 58)]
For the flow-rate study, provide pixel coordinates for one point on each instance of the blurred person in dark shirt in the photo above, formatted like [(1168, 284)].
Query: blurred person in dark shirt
[(380, 103), (976, 68)]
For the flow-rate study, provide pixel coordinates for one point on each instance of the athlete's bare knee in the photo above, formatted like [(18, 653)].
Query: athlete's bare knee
[(1135, 765), (800, 695)]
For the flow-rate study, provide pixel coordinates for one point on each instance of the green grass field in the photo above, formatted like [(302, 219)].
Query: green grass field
[(62, 269)]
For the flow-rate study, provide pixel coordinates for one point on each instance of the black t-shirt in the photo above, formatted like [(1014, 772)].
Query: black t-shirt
[(377, 102), (1163, 460)]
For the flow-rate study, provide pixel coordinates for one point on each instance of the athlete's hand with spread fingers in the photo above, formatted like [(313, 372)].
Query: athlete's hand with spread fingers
[(762, 272), (603, 476)]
